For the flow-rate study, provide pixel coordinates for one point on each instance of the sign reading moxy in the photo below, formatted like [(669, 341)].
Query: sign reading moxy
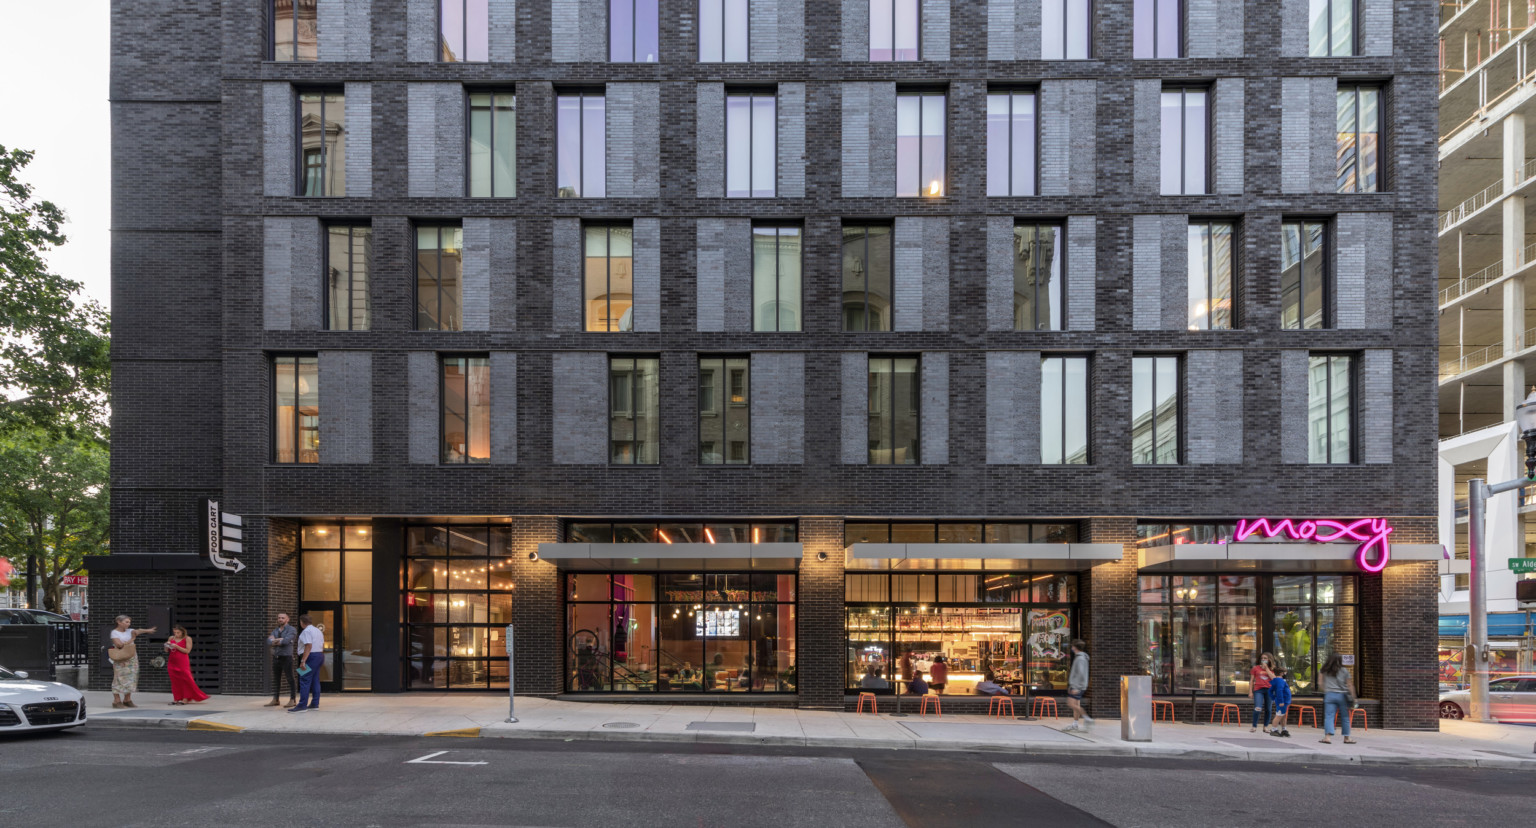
[(1369, 532)]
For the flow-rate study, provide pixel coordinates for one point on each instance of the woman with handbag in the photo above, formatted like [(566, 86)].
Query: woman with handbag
[(1338, 697), (125, 661)]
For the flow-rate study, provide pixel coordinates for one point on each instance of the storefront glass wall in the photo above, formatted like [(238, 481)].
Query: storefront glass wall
[(336, 592), (458, 601)]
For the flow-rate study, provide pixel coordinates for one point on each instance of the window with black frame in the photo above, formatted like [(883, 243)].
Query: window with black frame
[(1015, 625), (336, 592), (295, 30), (458, 601), (680, 632)]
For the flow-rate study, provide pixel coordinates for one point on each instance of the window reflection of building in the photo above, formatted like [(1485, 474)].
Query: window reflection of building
[(634, 395), (1155, 410), (609, 278), (775, 278), (1038, 293), (349, 255), (322, 144), (464, 28), (295, 30), (893, 411), (458, 601), (439, 278), (1303, 275), (724, 416), (867, 278)]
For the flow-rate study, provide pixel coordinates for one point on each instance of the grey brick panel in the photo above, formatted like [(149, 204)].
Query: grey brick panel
[(346, 407), (710, 140), (1230, 122), (1324, 134), (1213, 407), (1002, 41), (476, 274), (633, 112), (579, 31), (776, 31), (435, 124), (907, 270), (1013, 407), (359, 126), (1376, 28), (1295, 40), (855, 31), (1363, 270), (502, 18), (1148, 137), (1147, 272), (855, 156), (344, 29), (1175, 273), (1068, 143), (1375, 432), (791, 140), (580, 407), (1295, 135), (869, 140), (1082, 271), (502, 233), (709, 274), (935, 23), (1000, 257), (277, 274), (855, 409), (504, 407), (308, 269), (738, 274), (778, 408), (1293, 406), (566, 274), (647, 307), (424, 428), (421, 31), (1214, 28), (278, 143), (936, 256), (933, 449)]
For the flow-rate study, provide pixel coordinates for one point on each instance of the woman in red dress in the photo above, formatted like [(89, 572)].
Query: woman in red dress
[(183, 688)]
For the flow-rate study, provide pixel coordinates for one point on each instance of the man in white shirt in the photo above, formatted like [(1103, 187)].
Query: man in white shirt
[(311, 657)]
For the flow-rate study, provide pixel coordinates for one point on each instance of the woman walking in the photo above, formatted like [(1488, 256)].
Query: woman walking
[(1338, 697), (1259, 678), (184, 689), (125, 661)]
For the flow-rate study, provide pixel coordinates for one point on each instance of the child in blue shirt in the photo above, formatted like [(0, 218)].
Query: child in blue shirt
[(1280, 696)]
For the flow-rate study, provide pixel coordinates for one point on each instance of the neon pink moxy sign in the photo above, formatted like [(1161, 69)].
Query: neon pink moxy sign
[(1368, 532)]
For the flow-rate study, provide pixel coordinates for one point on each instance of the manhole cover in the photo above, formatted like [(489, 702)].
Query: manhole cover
[(735, 727), (620, 725)]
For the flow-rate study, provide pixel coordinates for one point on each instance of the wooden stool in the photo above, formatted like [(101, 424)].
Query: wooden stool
[(874, 706), (995, 707), (1227, 709), (1163, 705), (938, 710), (1042, 702), (1301, 714)]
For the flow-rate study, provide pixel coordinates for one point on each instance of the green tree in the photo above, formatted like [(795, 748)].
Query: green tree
[(54, 364), (53, 503)]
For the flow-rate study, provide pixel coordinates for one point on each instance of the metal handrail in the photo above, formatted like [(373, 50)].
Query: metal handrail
[(1451, 217), (1483, 356), (1488, 274)]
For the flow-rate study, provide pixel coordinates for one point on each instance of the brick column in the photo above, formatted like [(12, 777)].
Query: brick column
[(1408, 676), (251, 600), (537, 611), (819, 645), (1107, 608), (388, 557)]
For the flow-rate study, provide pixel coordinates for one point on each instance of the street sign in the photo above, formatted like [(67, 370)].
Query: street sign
[(223, 535), (75, 580), (1519, 565)]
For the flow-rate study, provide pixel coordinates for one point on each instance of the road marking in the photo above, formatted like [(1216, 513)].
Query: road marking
[(193, 751), (428, 760)]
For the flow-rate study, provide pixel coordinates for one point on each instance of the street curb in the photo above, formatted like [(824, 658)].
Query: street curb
[(220, 727)]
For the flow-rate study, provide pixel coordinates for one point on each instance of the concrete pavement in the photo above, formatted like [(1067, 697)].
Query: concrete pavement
[(1457, 744)]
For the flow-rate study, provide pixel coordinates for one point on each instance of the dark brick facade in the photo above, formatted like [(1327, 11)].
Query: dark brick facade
[(191, 383)]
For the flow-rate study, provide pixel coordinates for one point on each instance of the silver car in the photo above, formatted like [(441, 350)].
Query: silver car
[(28, 704), (1510, 699)]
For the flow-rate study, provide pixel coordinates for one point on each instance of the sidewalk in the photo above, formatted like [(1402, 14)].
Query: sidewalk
[(1458, 744)]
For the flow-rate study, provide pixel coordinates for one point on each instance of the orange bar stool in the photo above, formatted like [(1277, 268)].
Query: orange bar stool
[(995, 707), (1301, 714), (874, 706), (1041, 703), (1360, 710), (938, 710), (1227, 709), (1161, 707)]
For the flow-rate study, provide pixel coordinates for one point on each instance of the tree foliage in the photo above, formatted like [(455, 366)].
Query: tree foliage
[(53, 503)]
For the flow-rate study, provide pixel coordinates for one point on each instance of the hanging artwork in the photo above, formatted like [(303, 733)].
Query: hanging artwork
[(1050, 632)]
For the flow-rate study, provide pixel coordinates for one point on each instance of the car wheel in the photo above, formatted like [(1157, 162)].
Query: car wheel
[(1451, 710)]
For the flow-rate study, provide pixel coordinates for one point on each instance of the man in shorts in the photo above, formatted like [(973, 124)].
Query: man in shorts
[(1077, 685)]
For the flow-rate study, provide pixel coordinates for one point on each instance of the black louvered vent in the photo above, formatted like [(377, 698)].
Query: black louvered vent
[(197, 608)]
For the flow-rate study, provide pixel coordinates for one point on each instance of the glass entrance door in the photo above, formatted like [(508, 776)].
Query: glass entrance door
[(336, 592)]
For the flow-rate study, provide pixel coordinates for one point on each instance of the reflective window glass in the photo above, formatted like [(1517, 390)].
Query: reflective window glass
[(868, 281), (1303, 275), (439, 278), (322, 132), (492, 145), (776, 292), (1011, 140), (581, 136)]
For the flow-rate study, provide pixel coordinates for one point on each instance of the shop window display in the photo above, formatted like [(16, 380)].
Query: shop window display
[(458, 601)]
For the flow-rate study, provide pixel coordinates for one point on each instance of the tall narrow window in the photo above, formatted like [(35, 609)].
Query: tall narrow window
[(609, 277), (1011, 136), (466, 409), (1330, 408), (1158, 24), (322, 144), (1331, 28), (633, 395), (893, 29), (724, 413), (464, 27), (1210, 276), (583, 164), (751, 166), (1039, 286), (894, 396), (492, 145), (1064, 411), (348, 254), (723, 36), (867, 280), (439, 278), (633, 31), (294, 27), (1155, 410), (919, 145), (775, 278), (1066, 29), (1186, 157), (1359, 142), (296, 409), (1303, 275)]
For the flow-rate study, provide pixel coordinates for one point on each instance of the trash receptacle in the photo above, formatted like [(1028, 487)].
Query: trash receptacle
[(1136, 708)]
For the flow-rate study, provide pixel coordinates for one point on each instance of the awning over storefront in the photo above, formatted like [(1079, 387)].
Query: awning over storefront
[(672, 557), (1036, 557), (1263, 556)]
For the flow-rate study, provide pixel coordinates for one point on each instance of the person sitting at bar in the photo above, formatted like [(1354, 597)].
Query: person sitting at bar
[(917, 686), (873, 680), (988, 686)]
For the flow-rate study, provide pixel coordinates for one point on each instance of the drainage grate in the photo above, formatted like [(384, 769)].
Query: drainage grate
[(620, 725), (734, 727)]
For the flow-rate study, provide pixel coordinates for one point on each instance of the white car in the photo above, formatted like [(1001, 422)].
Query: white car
[(27, 705), (1510, 699)]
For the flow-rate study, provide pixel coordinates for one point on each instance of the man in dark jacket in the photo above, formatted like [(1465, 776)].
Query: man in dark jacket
[(281, 642)]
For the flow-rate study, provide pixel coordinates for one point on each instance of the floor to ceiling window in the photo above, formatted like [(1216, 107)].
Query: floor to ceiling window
[(458, 601), (336, 592)]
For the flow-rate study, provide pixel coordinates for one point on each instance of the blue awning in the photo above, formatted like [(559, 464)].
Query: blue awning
[(1500, 625)]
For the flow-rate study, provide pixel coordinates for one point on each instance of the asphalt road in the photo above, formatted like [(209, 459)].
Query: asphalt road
[(154, 777)]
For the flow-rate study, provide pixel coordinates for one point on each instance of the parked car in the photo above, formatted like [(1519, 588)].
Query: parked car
[(27, 705), (31, 616), (1511, 698)]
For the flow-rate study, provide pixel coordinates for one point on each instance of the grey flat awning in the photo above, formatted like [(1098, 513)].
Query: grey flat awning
[(1264, 556), (1036, 557), (672, 557)]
